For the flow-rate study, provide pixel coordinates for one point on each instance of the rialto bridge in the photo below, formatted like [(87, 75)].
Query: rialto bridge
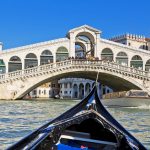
[(121, 65)]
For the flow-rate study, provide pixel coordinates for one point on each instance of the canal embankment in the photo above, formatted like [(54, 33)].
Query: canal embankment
[(127, 94)]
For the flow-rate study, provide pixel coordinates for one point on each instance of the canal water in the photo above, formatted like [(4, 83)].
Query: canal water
[(19, 118)]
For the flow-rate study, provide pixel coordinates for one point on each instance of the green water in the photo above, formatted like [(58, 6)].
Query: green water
[(19, 118)]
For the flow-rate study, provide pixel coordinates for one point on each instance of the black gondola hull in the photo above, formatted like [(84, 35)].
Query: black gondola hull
[(89, 118)]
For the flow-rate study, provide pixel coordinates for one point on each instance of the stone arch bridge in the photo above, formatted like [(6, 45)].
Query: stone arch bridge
[(15, 85)]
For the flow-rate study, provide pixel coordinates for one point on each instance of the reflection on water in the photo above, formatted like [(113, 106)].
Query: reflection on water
[(19, 118)]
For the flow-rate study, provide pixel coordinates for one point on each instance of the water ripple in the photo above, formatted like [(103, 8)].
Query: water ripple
[(19, 118)]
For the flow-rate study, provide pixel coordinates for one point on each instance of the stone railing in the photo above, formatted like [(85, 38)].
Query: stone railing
[(99, 64)]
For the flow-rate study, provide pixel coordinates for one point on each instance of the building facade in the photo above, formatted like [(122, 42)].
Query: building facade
[(78, 88), (71, 88), (47, 90)]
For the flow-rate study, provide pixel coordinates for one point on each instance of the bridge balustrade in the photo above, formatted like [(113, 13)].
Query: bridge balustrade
[(72, 62)]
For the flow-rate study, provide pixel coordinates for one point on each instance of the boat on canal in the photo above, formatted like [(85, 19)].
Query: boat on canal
[(88, 125)]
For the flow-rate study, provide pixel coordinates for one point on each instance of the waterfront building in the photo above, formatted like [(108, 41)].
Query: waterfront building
[(72, 88), (78, 88), (47, 90), (135, 41)]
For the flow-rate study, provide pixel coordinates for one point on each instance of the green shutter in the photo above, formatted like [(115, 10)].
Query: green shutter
[(2, 62)]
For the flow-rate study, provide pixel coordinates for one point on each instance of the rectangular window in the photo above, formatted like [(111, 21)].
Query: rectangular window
[(65, 92), (65, 85), (70, 85), (53, 85), (44, 92), (34, 92)]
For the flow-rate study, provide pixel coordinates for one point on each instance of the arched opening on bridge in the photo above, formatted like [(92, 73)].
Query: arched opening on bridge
[(31, 61), (81, 91), (61, 54), (107, 54), (89, 43), (122, 59), (144, 47), (14, 64), (80, 50), (87, 89), (46, 57), (147, 66), (2, 66), (136, 62), (75, 91)]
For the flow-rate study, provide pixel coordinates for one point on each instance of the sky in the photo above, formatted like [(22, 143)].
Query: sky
[(25, 22)]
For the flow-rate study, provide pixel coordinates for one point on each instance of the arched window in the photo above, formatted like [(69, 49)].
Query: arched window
[(31, 61), (14, 64), (147, 66), (122, 58), (136, 62), (46, 57), (61, 54), (88, 39), (75, 91), (2, 66), (107, 54), (80, 50), (145, 47), (81, 91), (87, 89)]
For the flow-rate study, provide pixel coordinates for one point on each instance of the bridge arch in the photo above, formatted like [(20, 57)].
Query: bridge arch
[(107, 54), (122, 58), (147, 65), (136, 62), (46, 57), (14, 64), (2, 66), (30, 60), (116, 77), (89, 40), (62, 54), (80, 49), (112, 80)]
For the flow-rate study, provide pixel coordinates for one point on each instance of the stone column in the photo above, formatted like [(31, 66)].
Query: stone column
[(144, 63), (84, 84), (54, 57), (72, 45), (6, 64), (72, 90), (78, 89), (38, 58), (23, 66), (97, 45)]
